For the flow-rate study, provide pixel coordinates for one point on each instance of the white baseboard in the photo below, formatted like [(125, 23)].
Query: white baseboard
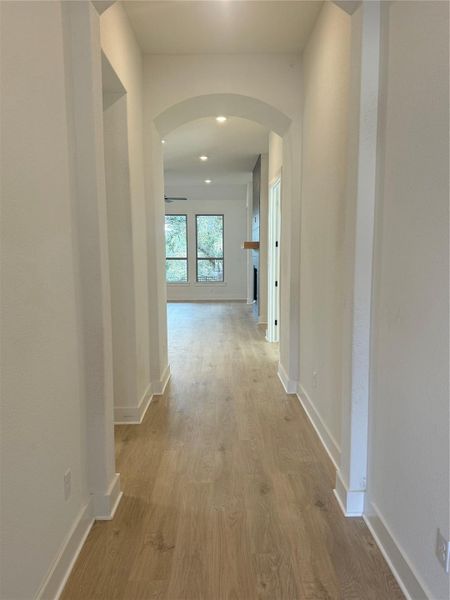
[(133, 415), (289, 385), (328, 441), (159, 387), (62, 566), (97, 508), (105, 505), (395, 556), (351, 502)]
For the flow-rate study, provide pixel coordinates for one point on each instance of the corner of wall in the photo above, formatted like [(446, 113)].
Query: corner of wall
[(329, 443), (133, 415), (64, 561), (396, 558), (99, 507), (351, 502), (159, 386), (290, 385), (104, 505)]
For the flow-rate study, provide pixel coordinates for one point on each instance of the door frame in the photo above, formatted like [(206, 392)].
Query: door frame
[(273, 260)]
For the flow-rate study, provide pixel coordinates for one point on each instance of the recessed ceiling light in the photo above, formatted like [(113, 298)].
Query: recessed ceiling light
[(207, 180), (221, 119), (163, 141), (203, 157)]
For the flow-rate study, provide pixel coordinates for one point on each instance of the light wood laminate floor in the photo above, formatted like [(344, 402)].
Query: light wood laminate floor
[(227, 489)]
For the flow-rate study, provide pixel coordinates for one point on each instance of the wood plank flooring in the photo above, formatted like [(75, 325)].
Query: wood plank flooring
[(227, 490)]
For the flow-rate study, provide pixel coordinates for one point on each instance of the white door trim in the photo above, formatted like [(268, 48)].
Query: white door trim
[(273, 260)]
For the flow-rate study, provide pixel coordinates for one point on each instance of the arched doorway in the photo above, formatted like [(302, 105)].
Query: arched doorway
[(238, 105)]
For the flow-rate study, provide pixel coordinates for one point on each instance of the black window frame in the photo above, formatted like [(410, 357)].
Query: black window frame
[(186, 258), (197, 258)]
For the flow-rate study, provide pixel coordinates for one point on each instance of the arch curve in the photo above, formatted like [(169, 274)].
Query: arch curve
[(235, 105)]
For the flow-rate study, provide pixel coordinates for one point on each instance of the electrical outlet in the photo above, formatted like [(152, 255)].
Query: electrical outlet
[(67, 484), (443, 551), (314, 379)]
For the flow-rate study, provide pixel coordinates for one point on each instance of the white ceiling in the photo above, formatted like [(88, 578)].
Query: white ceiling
[(222, 26), (232, 149)]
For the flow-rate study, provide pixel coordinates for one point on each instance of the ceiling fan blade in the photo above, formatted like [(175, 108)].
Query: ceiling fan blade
[(173, 199)]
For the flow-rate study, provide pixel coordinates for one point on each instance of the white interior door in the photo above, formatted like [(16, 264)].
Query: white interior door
[(273, 303)]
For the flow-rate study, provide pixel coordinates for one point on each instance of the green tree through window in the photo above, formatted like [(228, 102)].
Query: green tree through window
[(209, 230), (176, 249)]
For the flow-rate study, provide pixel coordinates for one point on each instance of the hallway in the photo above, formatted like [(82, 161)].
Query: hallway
[(227, 489)]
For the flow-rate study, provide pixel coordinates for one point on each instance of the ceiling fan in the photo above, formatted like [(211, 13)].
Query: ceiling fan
[(169, 199)]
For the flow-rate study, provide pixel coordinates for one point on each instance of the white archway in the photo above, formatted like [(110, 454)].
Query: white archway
[(254, 109), (236, 105)]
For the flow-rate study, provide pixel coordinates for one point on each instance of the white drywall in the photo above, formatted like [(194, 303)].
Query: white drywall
[(263, 236), (409, 421), (120, 244), (120, 47), (56, 353), (273, 79), (232, 204), (275, 156), (326, 68), (47, 341), (154, 174), (359, 215), (274, 166), (288, 368), (43, 407), (266, 88), (86, 150), (249, 260)]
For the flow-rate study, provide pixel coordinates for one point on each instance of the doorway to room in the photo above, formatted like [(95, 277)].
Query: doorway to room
[(212, 212)]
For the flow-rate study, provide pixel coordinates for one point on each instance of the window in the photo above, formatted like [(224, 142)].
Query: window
[(176, 249), (209, 230)]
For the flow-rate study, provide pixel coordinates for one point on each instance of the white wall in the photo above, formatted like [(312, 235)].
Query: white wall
[(45, 334), (173, 78), (249, 260), (86, 150), (288, 367), (272, 79), (274, 168), (43, 406), (120, 46), (232, 204), (57, 405), (121, 260), (263, 238), (409, 423), (326, 68), (275, 156)]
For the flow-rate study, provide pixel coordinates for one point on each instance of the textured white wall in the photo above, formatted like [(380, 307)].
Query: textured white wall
[(233, 207), (409, 450), (326, 64), (43, 408)]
